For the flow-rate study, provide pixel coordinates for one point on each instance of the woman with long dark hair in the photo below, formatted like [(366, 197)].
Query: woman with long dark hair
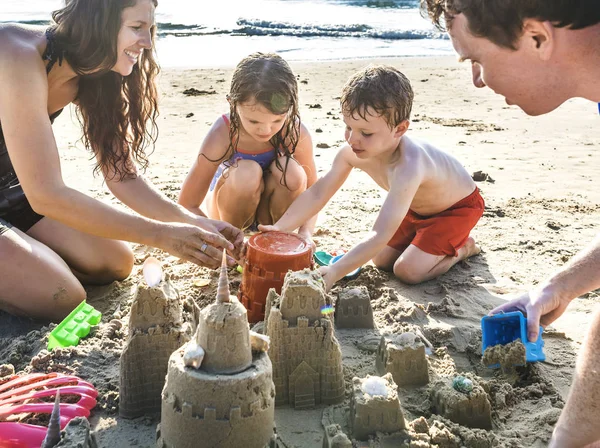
[(97, 54)]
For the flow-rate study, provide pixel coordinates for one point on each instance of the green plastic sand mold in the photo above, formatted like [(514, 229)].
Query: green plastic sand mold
[(75, 326)]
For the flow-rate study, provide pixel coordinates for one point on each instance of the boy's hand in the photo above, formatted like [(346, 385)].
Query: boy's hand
[(541, 305), (328, 277)]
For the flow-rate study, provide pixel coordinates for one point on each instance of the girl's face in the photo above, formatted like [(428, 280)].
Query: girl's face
[(259, 122), (134, 36)]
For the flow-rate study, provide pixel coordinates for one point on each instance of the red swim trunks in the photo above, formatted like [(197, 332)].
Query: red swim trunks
[(443, 233)]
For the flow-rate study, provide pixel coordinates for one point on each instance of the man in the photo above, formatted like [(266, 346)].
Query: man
[(538, 54)]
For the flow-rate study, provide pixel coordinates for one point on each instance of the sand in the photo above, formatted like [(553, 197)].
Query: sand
[(542, 206)]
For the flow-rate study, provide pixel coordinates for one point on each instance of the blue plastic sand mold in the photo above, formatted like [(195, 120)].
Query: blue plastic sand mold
[(322, 258), (75, 326), (507, 327)]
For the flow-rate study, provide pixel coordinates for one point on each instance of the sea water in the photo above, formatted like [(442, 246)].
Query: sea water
[(202, 33)]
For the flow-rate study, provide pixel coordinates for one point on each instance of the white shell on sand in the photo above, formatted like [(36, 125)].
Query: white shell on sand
[(152, 271), (193, 354), (375, 385)]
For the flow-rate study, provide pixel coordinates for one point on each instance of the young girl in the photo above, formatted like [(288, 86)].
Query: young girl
[(258, 158)]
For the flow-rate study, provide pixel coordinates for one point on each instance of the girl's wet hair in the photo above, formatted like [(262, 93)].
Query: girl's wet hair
[(118, 114), (267, 79)]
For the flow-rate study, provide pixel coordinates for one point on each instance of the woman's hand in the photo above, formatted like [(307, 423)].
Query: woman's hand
[(199, 246), (231, 233)]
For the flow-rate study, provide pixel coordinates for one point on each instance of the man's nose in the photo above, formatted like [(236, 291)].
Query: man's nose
[(477, 75)]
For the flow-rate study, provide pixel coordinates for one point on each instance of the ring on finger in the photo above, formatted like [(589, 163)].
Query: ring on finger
[(203, 248)]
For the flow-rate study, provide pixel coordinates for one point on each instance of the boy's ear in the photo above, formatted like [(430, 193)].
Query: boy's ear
[(401, 128)]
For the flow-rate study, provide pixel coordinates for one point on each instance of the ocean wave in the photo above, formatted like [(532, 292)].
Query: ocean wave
[(252, 27)]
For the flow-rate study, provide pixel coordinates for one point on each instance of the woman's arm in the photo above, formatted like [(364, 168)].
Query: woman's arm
[(33, 152), (305, 157), (196, 184)]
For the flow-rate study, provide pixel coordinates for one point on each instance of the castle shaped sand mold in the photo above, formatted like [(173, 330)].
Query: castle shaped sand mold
[(375, 406), (403, 355), (156, 329), (218, 392), (353, 309), (306, 356)]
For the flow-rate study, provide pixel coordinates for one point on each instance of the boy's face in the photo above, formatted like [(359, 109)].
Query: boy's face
[(522, 76), (371, 137)]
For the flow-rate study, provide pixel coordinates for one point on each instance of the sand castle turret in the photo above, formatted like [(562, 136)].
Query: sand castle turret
[(218, 391), (156, 329), (306, 356)]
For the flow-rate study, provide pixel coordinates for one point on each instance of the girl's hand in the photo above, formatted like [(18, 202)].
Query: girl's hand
[(271, 228), (194, 244)]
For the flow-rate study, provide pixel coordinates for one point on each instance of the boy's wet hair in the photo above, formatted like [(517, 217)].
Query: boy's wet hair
[(265, 78), (501, 21), (381, 88)]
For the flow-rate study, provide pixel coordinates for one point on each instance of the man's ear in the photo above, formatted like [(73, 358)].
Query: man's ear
[(401, 128), (539, 36)]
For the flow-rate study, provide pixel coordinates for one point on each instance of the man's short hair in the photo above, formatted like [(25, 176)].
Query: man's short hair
[(382, 88), (501, 21)]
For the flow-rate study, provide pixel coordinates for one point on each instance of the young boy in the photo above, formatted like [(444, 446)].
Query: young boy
[(432, 204)]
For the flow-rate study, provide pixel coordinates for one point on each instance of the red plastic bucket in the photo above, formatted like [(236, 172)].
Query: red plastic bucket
[(269, 256)]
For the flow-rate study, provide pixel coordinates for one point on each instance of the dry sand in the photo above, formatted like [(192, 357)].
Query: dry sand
[(543, 205)]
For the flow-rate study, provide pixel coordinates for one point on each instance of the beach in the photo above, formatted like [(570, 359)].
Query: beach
[(542, 206)]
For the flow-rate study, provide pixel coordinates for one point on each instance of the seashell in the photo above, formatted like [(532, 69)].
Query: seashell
[(223, 286), (462, 384), (152, 271), (53, 432), (111, 328), (407, 338), (193, 354), (259, 342)]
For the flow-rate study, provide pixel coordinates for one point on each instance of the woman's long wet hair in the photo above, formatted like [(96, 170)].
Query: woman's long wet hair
[(118, 113), (266, 78)]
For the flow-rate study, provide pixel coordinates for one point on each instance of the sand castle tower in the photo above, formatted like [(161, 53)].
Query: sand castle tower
[(219, 389), (306, 356), (156, 329)]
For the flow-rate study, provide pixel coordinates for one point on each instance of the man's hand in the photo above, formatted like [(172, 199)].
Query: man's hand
[(541, 306)]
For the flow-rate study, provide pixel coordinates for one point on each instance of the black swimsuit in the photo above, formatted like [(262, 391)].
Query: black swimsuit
[(14, 206)]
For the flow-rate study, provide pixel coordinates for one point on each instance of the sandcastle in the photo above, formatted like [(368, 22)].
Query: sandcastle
[(471, 408), (156, 329), (219, 389), (353, 309), (375, 406), (404, 357), (306, 356)]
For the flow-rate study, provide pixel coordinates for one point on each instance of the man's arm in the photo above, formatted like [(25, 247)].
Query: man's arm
[(578, 422)]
